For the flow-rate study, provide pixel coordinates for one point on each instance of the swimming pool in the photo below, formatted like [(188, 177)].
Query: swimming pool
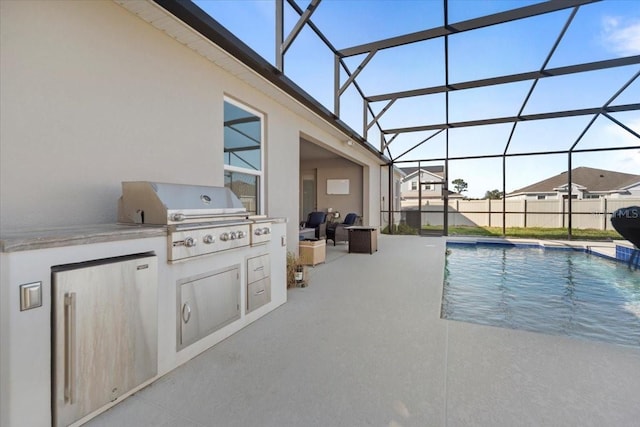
[(553, 291)]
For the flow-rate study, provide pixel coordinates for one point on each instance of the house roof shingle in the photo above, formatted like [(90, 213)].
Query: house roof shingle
[(436, 170), (594, 180)]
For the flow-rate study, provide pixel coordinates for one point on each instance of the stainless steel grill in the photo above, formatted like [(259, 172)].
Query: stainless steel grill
[(200, 220)]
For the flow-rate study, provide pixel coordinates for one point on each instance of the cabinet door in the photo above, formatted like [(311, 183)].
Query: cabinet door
[(206, 303), (104, 333)]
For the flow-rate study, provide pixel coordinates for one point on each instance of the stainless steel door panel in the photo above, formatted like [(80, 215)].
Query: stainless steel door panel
[(258, 293), (104, 333), (206, 303), (258, 268)]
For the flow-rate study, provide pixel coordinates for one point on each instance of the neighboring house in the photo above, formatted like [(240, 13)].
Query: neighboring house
[(586, 183), (425, 182), (428, 177)]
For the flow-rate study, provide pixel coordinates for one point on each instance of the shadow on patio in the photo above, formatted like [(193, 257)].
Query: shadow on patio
[(364, 345)]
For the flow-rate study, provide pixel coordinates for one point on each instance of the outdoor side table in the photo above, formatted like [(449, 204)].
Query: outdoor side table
[(363, 239), (312, 252)]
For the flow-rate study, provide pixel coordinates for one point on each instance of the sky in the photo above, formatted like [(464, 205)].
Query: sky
[(599, 31)]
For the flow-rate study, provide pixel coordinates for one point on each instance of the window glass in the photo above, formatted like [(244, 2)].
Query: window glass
[(243, 154), (244, 186), (242, 138)]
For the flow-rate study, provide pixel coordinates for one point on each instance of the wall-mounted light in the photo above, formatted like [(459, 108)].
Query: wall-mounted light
[(349, 142)]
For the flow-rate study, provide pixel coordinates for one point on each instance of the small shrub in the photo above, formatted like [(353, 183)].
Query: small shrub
[(400, 229), (292, 264)]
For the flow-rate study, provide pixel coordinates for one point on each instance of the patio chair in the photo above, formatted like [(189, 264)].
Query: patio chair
[(317, 220), (337, 231)]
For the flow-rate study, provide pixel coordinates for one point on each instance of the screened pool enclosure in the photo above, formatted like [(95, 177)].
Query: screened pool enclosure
[(465, 102)]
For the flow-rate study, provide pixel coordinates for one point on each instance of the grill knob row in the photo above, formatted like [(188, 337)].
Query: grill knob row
[(233, 235), (261, 231)]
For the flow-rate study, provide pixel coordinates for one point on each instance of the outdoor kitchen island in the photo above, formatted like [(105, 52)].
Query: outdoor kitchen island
[(30, 261)]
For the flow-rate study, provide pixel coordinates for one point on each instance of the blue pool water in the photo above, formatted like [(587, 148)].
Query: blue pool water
[(559, 292)]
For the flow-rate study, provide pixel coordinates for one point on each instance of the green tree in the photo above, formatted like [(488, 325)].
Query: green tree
[(493, 194), (459, 185)]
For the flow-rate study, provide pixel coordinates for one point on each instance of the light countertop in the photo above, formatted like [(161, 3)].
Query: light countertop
[(33, 239)]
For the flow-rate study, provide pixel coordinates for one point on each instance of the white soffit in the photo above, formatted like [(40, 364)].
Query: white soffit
[(172, 26)]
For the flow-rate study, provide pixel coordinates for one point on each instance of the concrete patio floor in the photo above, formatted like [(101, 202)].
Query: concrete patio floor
[(364, 345)]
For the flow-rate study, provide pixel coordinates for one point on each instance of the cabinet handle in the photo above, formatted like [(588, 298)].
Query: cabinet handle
[(259, 268), (70, 348), (260, 292), (186, 312)]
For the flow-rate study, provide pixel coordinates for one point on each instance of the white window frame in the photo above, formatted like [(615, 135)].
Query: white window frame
[(260, 174)]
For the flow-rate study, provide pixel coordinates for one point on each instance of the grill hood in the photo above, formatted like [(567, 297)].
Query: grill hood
[(144, 202)]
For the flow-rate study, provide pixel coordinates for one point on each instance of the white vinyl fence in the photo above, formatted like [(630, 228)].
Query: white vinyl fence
[(592, 214)]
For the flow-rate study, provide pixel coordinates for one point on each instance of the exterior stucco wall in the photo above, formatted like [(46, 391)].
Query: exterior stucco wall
[(92, 96)]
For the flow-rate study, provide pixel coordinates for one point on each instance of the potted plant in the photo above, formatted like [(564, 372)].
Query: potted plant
[(295, 271)]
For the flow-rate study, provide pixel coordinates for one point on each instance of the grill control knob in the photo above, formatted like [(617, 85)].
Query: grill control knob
[(189, 242), (232, 235), (224, 237), (258, 232), (241, 234), (266, 230), (208, 239)]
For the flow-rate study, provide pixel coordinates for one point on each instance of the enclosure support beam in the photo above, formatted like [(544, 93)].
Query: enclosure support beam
[(279, 34), (569, 198), (513, 78), (304, 18), (528, 117), (419, 144), (380, 114), (357, 71), (445, 187), (471, 24), (336, 87), (390, 204)]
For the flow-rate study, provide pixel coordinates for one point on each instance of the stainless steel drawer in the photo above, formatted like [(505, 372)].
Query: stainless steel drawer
[(258, 293), (258, 268)]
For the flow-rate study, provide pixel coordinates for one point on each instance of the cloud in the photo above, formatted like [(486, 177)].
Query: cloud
[(621, 136), (621, 35), (625, 160)]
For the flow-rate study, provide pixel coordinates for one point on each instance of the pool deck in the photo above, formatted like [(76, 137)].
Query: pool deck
[(364, 345)]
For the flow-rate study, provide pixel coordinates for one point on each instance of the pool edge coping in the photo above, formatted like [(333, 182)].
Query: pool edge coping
[(590, 247)]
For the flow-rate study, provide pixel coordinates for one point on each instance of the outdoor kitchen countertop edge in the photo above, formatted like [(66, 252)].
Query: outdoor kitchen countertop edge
[(34, 239)]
